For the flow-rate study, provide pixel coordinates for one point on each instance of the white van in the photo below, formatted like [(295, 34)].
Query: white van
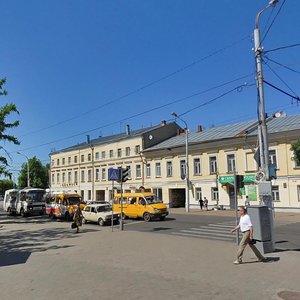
[(31, 201), (9, 201)]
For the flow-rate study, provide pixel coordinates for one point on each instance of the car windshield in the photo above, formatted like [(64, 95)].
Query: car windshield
[(152, 199), (36, 196), (73, 200), (103, 208)]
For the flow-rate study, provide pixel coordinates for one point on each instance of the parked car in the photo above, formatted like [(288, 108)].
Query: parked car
[(100, 213)]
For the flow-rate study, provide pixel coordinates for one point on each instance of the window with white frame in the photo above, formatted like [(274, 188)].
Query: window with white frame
[(182, 168), (138, 171), (69, 160), (230, 163), (103, 174), (63, 177), (82, 176), (52, 179), (127, 151), (75, 159), (57, 162), (169, 169), (213, 165), (89, 194), (76, 177), (111, 153), (119, 151), (272, 158), (82, 158), (89, 157), (63, 161), (103, 154), (198, 193), (157, 169), (148, 170), (57, 178), (197, 166), (214, 193), (97, 156), (69, 177), (97, 174), (89, 175), (275, 193), (137, 149)]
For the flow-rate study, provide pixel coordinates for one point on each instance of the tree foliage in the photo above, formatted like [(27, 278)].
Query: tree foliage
[(5, 111), (295, 147), (38, 174), (6, 184)]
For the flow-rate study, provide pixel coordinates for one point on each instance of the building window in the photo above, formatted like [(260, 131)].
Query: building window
[(69, 177), (57, 162), (82, 194), (127, 151), (63, 177), (182, 169), (213, 165), (69, 160), (275, 193), (82, 176), (198, 194), (157, 169), (129, 171), (251, 164), (197, 168), (298, 192), (272, 158), (111, 153), (63, 161), (82, 158), (158, 193), (137, 149), (103, 173), (103, 154), (76, 177), (138, 172), (89, 175), (214, 194), (169, 169), (119, 152), (97, 156), (97, 171), (75, 159), (52, 179), (89, 157), (89, 194), (230, 163), (57, 178), (148, 170)]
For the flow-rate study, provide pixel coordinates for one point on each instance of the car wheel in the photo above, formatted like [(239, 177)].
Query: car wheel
[(84, 221), (101, 222), (147, 217)]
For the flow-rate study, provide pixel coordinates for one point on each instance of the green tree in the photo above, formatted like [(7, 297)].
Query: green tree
[(295, 147), (38, 174), (6, 184), (5, 111)]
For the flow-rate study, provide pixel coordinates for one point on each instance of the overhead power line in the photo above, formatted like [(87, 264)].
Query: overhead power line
[(282, 91), (282, 65), (282, 48), (139, 89)]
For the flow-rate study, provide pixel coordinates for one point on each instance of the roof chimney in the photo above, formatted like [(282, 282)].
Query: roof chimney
[(199, 129), (163, 122), (127, 129)]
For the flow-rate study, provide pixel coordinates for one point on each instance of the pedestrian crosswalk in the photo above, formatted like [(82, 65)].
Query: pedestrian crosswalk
[(217, 231)]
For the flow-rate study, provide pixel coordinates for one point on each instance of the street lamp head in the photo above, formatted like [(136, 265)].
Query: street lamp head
[(273, 2), (174, 114)]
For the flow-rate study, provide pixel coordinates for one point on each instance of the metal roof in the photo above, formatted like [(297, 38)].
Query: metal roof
[(249, 128)]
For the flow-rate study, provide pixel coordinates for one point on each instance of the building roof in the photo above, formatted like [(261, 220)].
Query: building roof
[(109, 139), (249, 128)]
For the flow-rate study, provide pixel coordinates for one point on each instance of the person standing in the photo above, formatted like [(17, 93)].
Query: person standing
[(205, 203), (201, 203), (246, 227), (78, 218)]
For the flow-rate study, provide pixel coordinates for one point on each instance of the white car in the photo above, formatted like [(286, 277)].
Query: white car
[(100, 213)]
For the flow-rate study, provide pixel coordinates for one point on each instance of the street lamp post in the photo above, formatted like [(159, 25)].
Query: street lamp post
[(28, 179), (187, 191)]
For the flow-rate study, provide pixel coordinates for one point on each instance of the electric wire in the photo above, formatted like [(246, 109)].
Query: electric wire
[(282, 48), (282, 91), (282, 65)]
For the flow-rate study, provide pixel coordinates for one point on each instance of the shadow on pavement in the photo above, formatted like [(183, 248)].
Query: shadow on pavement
[(17, 246)]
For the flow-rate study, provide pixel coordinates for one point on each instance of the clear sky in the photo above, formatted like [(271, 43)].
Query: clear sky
[(78, 67)]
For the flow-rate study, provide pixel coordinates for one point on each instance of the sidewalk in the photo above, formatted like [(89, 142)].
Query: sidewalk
[(99, 264)]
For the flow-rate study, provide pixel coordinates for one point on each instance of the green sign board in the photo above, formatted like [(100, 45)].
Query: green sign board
[(248, 178)]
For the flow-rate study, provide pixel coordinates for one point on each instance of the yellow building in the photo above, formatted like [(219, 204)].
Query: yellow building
[(156, 158)]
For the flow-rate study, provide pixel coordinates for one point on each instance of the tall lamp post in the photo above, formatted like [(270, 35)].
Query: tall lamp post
[(187, 192), (28, 179)]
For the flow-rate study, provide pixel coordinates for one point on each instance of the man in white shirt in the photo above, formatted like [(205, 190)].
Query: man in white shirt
[(246, 227)]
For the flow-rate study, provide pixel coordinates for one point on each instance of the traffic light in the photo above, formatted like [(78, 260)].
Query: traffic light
[(123, 174), (239, 180)]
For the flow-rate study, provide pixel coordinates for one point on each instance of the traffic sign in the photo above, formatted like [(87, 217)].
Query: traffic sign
[(113, 174)]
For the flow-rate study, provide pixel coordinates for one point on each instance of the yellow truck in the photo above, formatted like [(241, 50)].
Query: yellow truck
[(140, 205)]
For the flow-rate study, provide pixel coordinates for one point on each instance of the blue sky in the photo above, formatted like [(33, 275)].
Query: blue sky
[(86, 67)]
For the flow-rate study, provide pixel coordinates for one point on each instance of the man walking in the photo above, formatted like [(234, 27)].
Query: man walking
[(246, 228)]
